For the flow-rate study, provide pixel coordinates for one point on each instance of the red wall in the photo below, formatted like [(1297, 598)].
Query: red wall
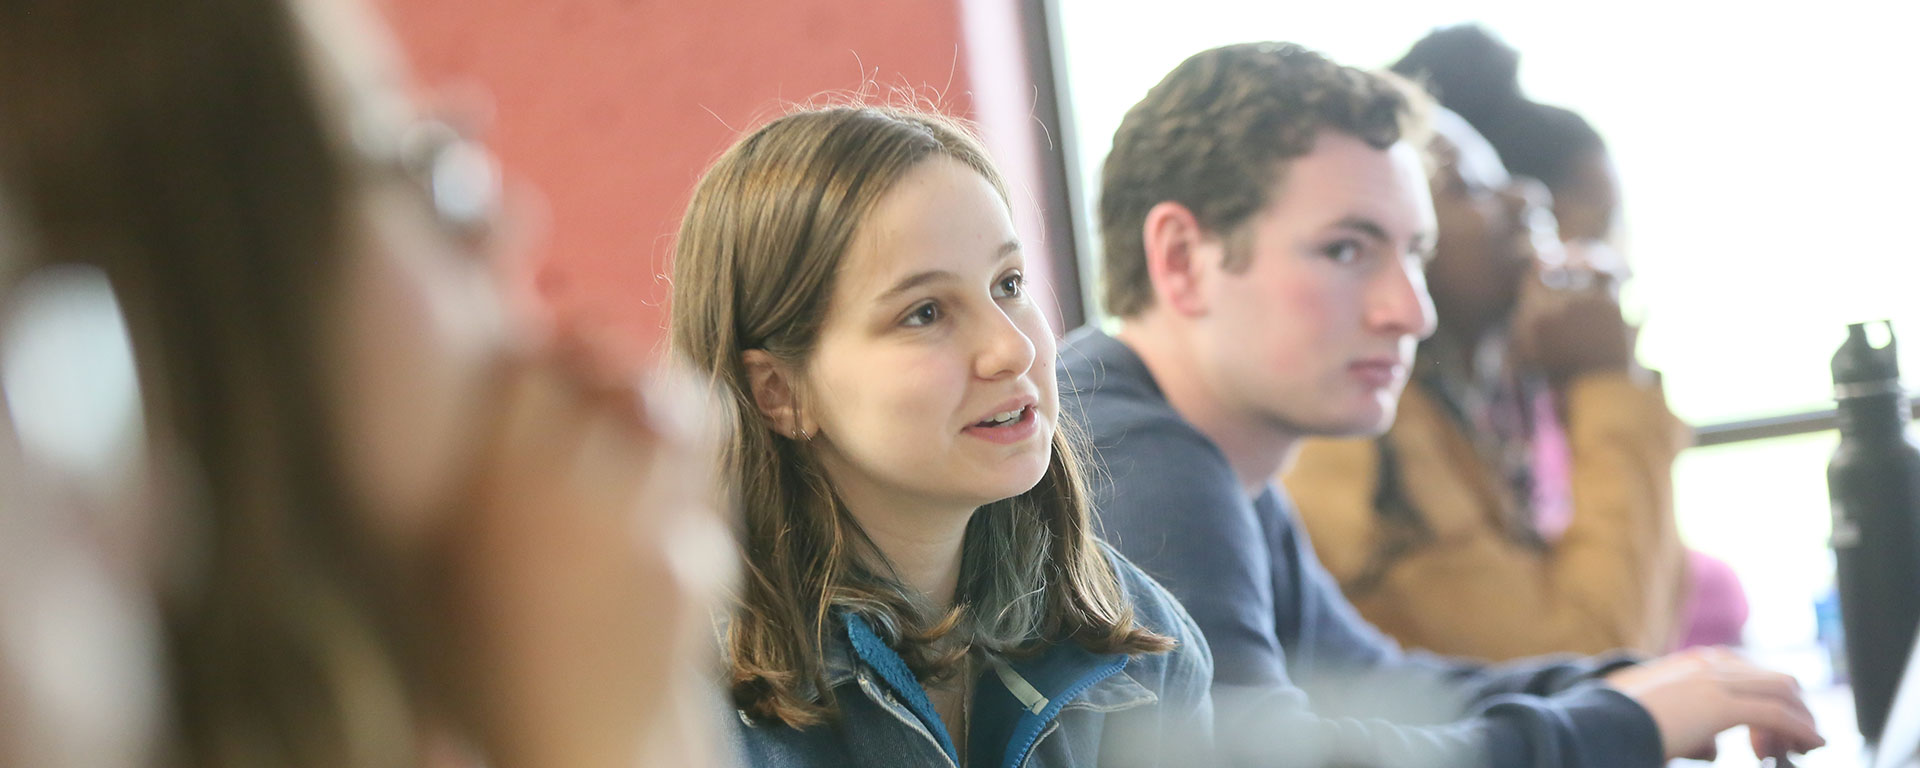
[(611, 108)]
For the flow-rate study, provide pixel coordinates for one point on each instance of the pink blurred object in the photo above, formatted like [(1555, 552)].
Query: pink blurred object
[(1552, 462), (1716, 606)]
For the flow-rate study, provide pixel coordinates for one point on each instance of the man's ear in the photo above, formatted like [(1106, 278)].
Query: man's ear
[(774, 393), (1175, 244)]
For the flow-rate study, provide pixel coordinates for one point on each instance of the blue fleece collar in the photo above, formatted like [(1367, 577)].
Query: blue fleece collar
[(1014, 701)]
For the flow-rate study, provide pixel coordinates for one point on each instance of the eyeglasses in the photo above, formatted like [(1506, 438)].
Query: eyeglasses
[(459, 176)]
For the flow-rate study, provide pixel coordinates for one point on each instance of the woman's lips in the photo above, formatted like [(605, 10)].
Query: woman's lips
[(1011, 432)]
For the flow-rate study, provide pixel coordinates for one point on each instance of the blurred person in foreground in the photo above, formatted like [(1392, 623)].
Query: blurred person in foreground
[(923, 582), (398, 524), (1266, 222), (1526, 397)]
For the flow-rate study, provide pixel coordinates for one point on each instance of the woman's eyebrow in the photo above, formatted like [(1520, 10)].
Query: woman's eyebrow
[(918, 279)]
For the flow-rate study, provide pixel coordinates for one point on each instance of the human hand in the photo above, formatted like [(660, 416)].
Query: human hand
[(1695, 694), (585, 577), (1571, 327)]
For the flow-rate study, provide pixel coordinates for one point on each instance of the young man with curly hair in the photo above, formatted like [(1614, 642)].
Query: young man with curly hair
[(1266, 218)]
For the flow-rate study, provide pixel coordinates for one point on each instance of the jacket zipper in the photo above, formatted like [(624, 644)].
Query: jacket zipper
[(888, 703)]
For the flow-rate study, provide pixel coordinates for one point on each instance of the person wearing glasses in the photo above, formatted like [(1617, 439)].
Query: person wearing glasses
[(1526, 478), (398, 523), (923, 584)]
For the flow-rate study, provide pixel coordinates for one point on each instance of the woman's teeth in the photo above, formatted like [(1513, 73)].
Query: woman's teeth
[(1004, 418)]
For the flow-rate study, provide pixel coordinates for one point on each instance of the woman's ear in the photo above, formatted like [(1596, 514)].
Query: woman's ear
[(774, 393)]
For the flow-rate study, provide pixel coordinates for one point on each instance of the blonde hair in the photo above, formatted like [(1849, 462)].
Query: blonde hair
[(754, 268)]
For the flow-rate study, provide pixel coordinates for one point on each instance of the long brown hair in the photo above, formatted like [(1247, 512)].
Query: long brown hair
[(181, 147), (754, 268)]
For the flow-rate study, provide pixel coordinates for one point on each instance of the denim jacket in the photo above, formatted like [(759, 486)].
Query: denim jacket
[(1063, 707)]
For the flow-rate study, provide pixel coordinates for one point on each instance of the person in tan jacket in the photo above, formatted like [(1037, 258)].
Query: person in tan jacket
[(1527, 414)]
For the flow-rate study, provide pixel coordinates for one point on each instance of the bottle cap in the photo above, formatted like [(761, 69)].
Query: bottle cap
[(1859, 363)]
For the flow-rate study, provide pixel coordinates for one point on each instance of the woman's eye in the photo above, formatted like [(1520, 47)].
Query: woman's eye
[(924, 314), (1343, 252), (1010, 286)]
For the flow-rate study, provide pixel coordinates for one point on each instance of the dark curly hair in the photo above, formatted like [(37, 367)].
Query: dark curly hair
[(1471, 71), (1214, 136)]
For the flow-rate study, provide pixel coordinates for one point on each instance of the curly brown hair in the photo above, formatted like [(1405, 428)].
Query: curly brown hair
[(1214, 136)]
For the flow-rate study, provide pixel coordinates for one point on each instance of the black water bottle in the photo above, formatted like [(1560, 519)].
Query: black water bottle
[(1874, 482)]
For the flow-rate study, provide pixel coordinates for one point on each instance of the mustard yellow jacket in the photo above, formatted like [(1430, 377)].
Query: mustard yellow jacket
[(1448, 570)]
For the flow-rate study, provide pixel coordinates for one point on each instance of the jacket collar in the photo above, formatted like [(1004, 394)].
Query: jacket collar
[(841, 664), (1048, 674), (1015, 699)]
